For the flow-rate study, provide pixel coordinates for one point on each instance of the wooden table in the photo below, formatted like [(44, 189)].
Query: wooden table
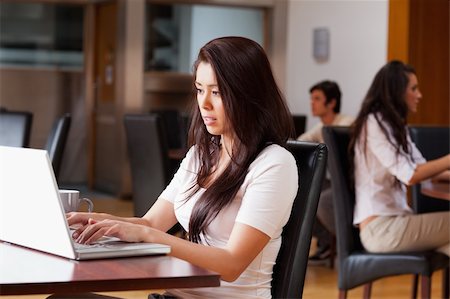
[(440, 190), (24, 271)]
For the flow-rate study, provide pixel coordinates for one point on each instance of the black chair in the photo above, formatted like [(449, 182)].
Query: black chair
[(56, 141), (290, 268), (173, 126), (299, 124), (433, 142), (185, 121), (15, 128), (149, 162), (357, 266)]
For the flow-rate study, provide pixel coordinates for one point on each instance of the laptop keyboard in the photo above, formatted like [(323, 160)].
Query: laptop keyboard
[(103, 242), (87, 246)]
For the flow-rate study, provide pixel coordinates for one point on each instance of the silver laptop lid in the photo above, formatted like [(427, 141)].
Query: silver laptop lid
[(31, 213)]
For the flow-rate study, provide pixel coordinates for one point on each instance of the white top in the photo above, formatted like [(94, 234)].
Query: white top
[(315, 134), (375, 173), (264, 202)]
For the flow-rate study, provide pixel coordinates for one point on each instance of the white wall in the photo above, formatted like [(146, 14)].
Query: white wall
[(358, 48)]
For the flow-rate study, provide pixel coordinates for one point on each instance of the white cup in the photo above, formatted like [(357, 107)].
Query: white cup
[(71, 200)]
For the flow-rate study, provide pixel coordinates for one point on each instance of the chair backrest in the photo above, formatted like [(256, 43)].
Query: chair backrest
[(149, 161), (290, 267), (299, 124), (15, 128), (171, 121), (337, 140), (185, 121), (56, 141), (433, 142)]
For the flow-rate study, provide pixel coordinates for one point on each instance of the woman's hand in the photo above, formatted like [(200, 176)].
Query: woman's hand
[(83, 218), (160, 217), (79, 221), (125, 231)]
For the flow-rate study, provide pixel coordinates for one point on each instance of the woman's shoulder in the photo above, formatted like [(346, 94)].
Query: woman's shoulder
[(276, 154), (374, 121), (378, 120), (190, 160), (274, 160), (377, 127), (372, 117)]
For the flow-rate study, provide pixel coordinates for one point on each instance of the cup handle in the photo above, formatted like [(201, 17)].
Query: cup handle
[(90, 204)]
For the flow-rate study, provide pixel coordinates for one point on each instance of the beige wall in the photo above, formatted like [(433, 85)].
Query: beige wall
[(38, 91), (49, 93), (357, 49)]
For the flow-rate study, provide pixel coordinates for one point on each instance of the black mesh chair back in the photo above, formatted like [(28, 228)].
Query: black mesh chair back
[(56, 141), (149, 162), (15, 128), (433, 142), (357, 266), (290, 267)]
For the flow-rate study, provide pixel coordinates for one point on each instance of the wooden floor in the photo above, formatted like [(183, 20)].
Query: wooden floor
[(320, 280)]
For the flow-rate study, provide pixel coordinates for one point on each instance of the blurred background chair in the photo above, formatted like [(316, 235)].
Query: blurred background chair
[(15, 127), (185, 125), (433, 142), (173, 126), (299, 124), (356, 265), (149, 162), (290, 267), (56, 141)]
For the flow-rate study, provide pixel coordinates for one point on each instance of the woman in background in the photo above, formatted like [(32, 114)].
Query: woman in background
[(386, 161), (234, 190)]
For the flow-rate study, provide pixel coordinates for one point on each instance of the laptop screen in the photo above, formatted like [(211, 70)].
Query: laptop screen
[(31, 214)]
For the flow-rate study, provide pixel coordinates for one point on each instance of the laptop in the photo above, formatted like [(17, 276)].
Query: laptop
[(31, 213)]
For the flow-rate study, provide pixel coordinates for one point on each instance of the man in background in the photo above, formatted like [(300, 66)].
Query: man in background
[(325, 100)]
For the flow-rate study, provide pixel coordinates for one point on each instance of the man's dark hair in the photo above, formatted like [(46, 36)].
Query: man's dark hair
[(331, 91)]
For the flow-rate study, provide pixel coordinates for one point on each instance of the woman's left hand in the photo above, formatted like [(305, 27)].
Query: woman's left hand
[(125, 231)]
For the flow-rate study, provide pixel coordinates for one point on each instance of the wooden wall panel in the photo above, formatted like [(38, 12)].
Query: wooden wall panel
[(429, 54), (398, 35), (419, 35)]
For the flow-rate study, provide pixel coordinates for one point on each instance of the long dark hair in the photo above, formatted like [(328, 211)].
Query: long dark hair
[(386, 100), (258, 116)]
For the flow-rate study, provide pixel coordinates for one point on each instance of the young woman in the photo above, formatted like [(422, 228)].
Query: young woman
[(234, 190), (386, 161)]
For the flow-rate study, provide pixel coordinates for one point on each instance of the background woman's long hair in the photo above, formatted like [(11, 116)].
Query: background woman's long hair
[(386, 100), (257, 114)]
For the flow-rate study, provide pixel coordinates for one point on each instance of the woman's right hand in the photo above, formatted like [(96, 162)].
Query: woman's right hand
[(80, 220), (125, 231)]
